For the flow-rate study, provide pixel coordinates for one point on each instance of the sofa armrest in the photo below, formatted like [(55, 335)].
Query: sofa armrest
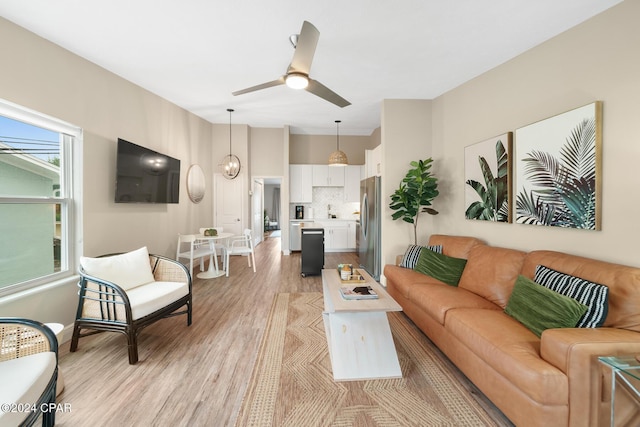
[(21, 337), (102, 300), (575, 352), (169, 270)]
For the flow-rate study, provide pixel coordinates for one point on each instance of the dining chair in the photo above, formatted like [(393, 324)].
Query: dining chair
[(220, 245), (188, 248), (241, 245)]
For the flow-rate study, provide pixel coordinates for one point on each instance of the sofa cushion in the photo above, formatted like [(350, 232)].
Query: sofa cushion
[(437, 299), (511, 350), (593, 295), (153, 296), (622, 281), (455, 246), (411, 255), (126, 270), (442, 267), (23, 381), (491, 272), (402, 279), (540, 308)]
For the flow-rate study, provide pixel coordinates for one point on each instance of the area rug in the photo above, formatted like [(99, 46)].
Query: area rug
[(292, 382)]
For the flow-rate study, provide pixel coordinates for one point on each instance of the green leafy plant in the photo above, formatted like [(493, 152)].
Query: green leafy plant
[(565, 193), (415, 194), (494, 194)]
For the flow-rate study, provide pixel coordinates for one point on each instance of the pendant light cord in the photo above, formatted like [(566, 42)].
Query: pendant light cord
[(230, 110), (338, 133)]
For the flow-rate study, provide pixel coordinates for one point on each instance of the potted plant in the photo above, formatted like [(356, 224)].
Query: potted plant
[(417, 191)]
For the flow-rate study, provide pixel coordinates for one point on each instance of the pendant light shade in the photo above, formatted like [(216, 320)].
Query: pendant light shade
[(338, 158), (230, 166)]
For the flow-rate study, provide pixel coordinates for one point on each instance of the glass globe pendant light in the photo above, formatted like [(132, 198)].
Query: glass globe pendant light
[(230, 166)]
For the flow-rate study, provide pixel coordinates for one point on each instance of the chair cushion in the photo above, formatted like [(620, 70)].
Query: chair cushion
[(151, 297), (127, 270), (23, 381)]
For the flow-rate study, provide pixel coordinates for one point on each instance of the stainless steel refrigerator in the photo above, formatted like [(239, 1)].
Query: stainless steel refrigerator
[(369, 249)]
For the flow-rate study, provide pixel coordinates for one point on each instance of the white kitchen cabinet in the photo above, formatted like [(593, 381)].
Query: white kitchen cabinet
[(351, 236), (328, 176), (300, 184), (352, 177), (373, 161), (339, 236)]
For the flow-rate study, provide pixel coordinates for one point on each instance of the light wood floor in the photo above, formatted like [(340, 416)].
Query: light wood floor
[(186, 376)]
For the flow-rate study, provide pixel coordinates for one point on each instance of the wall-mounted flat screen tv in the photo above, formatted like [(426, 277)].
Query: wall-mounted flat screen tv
[(145, 176)]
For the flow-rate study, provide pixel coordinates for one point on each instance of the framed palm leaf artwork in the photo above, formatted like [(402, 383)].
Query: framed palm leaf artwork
[(487, 167), (558, 170)]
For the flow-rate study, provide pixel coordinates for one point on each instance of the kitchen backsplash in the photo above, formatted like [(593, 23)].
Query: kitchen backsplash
[(323, 197)]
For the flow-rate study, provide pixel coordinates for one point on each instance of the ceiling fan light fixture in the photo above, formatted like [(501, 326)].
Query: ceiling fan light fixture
[(338, 158), (297, 80)]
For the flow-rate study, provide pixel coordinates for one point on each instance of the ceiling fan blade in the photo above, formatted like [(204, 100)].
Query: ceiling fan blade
[(317, 88), (305, 49), (278, 82)]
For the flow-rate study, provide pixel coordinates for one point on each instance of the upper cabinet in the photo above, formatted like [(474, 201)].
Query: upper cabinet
[(373, 161), (300, 183), (328, 176), (352, 178)]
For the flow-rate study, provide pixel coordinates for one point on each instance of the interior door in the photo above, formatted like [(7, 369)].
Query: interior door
[(228, 203), (257, 211)]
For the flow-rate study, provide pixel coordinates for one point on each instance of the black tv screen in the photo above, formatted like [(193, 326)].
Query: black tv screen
[(145, 176)]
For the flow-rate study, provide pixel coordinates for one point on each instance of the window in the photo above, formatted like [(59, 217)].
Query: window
[(39, 220)]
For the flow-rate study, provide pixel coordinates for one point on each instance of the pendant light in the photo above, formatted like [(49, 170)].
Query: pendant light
[(338, 158), (230, 166)]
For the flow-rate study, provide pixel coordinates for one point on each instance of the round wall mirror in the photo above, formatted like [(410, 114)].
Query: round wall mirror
[(195, 183)]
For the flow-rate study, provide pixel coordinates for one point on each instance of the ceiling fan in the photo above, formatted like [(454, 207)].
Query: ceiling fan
[(297, 75)]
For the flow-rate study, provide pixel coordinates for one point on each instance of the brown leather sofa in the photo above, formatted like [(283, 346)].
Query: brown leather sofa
[(555, 380)]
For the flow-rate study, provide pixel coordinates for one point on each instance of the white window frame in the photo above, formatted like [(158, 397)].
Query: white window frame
[(71, 190)]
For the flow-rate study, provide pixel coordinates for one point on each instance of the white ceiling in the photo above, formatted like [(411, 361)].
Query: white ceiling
[(196, 52)]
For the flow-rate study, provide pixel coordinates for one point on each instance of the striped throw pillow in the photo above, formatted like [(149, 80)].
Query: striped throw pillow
[(593, 295), (411, 256)]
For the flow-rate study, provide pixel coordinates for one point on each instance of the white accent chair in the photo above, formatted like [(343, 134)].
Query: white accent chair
[(220, 246), (241, 245), (189, 248), (29, 369), (126, 292)]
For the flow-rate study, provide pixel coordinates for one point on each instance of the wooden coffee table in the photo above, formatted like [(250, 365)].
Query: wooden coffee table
[(358, 332)]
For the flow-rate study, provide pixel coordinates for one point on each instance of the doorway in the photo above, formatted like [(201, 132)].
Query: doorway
[(272, 207)]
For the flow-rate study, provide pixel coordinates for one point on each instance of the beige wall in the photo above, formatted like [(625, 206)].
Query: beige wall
[(267, 151), (597, 60), (43, 77), (315, 149), (405, 137)]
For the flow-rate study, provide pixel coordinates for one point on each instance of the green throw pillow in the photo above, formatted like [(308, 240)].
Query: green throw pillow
[(442, 267), (539, 308)]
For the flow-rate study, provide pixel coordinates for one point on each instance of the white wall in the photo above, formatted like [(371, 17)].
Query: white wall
[(597, 60)]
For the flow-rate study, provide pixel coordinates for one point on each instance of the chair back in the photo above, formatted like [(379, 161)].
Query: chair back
[(247, 235)]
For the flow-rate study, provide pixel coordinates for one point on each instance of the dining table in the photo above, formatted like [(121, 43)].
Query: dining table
[(213, 271)]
